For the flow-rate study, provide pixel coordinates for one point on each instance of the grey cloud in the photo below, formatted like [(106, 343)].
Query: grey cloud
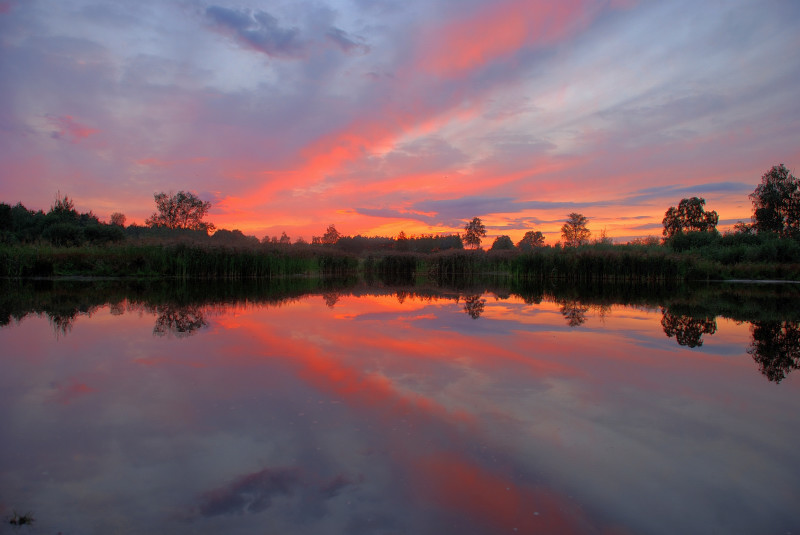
[(429, 154), (250, 493), (698, 190), (253, 493), (649, 226), (466, 207), (453, 212), (258, 30), (343, 40)]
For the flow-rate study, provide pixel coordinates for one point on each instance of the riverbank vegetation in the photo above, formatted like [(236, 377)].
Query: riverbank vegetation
[(178, 243)]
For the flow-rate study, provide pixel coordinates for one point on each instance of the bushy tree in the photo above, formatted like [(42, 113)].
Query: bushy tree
[(62, 210), (690, 215), (776, 203), (473, 232), (118, 219), (531, 240), (502, 243), (183, 210), (331, 235), (574, 231)]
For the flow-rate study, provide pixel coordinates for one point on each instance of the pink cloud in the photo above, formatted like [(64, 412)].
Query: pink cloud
[(66, 127), (497, 31)]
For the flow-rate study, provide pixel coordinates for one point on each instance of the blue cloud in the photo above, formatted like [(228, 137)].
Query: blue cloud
[(259, 30)]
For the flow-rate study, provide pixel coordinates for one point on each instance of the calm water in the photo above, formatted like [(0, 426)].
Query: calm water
[(373, 411)]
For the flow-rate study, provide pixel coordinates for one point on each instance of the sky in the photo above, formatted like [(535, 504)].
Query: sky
[(381, 116)]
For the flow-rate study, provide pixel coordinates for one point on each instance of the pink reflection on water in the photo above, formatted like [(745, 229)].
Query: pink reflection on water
[(413, 406)]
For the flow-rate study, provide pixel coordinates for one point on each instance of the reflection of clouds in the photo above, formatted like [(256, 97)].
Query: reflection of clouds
[(254, 493), (251, 493), (457, 426), (68, 393)]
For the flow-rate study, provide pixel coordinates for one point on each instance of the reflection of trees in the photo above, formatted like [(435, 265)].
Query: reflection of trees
[(776, 348), (181, 321), (688, 331), (574, 312), (62, 321), (474, 305), (331, 298)]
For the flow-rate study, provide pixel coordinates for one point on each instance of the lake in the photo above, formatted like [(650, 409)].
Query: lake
[(356, 407)]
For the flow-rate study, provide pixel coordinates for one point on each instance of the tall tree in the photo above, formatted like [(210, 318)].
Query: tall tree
[(574, 231), (331, 235), (183, 210), (473, 232), (690, 215), (118, 219), (776, 202), (63, 209), (531, 240)]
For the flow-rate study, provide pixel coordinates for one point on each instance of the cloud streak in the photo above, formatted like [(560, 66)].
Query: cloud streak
[(386, 117)]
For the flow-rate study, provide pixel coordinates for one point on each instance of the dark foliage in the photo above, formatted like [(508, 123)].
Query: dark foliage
[(776, 203)]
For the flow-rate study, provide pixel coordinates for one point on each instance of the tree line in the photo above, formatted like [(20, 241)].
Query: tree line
[(776, 212)]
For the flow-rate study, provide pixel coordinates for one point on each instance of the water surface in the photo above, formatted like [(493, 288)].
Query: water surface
[(375, 410)]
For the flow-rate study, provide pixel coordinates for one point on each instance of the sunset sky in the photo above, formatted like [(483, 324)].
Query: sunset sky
[(386, 115)]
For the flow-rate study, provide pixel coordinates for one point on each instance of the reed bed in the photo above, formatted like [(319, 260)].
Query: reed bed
[(589, 264)]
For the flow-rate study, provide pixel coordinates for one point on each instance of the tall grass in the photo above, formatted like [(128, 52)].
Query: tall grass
[(712, 258), (178, 261)]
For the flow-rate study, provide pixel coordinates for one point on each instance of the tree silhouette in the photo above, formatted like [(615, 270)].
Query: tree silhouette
[(473, 232), (574, 312), (776, 202), (474, 306), (688, 331), (775, 348), (63, 209), (574, 231), (182, 321), (183, 210), (689, 216), (331, 235), (331, 298), (531, 240), (118, 219), (502, 243)]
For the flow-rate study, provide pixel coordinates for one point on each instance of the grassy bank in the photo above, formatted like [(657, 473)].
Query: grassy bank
[(174, 261), (776, 259)]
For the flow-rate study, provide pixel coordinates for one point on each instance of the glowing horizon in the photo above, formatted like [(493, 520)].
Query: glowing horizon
[(381, 117)]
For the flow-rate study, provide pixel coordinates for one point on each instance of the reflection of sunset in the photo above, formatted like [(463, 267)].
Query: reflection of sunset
[(496, 501), (412, 414)]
